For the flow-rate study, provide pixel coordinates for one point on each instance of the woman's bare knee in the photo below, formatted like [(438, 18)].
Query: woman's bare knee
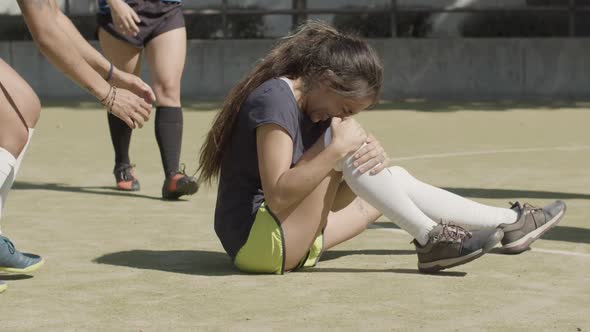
[(13, 138), (31, 109), (167, 93)]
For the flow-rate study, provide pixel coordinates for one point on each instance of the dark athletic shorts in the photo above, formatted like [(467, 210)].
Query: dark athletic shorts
[(157, 17)]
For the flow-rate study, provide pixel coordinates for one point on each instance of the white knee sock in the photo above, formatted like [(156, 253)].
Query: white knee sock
[(386, 192), (7, 163), (19, 160), (440, 204), (415, 206), (9, 167)]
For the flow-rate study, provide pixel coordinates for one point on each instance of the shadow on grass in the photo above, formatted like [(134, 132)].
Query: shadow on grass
[(568, 234), (333, 254), (213, 263), (98, 190), (514, 194), (404, 271), (557, 233), (195, 262), (5, 277)]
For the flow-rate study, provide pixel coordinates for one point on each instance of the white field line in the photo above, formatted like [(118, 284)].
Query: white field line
[(547, 251), (485, 152)]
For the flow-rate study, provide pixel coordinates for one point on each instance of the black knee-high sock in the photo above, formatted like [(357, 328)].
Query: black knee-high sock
[(121, 138), (169, 137)]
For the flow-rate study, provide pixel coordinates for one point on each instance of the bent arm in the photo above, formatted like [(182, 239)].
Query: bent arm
[(42, 17), (100, 64), (89, 53), (284, 186)]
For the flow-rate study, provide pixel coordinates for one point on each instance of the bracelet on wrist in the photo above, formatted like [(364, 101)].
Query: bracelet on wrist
[(110, 73)]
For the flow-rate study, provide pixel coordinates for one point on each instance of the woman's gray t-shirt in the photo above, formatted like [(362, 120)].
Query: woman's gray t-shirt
[(240, 189)]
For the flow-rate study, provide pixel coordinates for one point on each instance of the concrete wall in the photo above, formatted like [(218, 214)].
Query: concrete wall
[(414, 68)]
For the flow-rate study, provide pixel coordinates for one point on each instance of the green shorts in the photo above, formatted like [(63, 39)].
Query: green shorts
[(264, 251)]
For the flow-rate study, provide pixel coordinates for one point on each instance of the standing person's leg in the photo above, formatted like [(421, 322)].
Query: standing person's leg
[(19, 113), (166, 55), (126, 57)]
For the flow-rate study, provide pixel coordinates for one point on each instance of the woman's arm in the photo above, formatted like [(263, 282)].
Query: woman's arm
[(284, 186), (99, 63), (41, 17)]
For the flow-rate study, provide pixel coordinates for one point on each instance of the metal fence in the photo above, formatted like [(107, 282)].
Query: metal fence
[(237, 19)]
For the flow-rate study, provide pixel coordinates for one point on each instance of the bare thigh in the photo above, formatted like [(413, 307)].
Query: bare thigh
[(166, 56), (19, 109), (123, 55), (304, 222)]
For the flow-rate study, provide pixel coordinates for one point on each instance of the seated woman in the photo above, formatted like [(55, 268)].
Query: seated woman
[(298, 175)]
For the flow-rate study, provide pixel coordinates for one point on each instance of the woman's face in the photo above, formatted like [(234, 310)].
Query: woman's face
[(321, 103)]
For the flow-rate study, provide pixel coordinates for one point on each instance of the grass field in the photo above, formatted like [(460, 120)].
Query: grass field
[(132, 262)]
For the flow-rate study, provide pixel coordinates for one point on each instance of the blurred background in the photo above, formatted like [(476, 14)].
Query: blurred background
[(443, 49), (215, 19)]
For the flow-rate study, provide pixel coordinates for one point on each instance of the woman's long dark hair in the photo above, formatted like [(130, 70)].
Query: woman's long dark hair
[(314, 52)]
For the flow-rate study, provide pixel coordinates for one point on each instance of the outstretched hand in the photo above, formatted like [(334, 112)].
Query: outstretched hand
[(134, 84), (130, 108)]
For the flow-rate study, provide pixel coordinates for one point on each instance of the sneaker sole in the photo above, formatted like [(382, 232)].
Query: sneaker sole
[(133, 188), (524, 242), (189, 188), (28, 269), (435, 266)]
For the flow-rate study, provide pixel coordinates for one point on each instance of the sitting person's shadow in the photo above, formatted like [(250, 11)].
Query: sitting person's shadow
[(197, 262), (213, 263)]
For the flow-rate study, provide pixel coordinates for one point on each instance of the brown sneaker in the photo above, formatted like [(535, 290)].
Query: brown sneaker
[(451, 245), (532, 222)]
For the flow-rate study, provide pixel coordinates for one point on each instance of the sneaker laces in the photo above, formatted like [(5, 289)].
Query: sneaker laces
[(10, 246), (527, 208), (124, 173), (455, 232), (182, 171)]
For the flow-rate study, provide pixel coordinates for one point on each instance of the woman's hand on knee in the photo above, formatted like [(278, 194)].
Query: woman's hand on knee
[(371, 157), (347, 135)]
